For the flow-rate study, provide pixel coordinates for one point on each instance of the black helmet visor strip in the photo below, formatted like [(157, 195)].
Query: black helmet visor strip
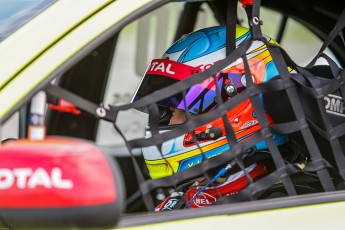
[(160, 74)]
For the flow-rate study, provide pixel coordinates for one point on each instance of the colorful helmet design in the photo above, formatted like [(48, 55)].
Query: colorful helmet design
[(193, 53)]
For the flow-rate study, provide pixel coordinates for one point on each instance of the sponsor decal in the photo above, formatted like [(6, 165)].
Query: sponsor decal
[(334, 105), (176, 70), (170, 204), (204, 199), (195, 160), (28, 178), (162, 67), (190, 162)]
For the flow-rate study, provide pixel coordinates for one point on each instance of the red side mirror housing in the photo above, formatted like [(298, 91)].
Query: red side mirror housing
[(59, 183)]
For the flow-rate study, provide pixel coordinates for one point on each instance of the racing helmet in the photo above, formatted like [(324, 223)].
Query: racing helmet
[(191, 54)]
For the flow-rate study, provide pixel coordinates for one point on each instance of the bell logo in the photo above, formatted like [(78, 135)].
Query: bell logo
[(24, 178), (204, 199), (334, 105), (160, 66)]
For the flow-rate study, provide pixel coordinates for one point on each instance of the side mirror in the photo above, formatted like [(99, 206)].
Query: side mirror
[(58, 183)]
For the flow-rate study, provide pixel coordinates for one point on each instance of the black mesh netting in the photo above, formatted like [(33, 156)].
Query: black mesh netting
[(307, 105)]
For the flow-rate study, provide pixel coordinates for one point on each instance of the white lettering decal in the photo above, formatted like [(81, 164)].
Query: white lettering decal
[(193, 163), (39, 178), (23, 178), (204, 199), (169, 71), (328, 102), (334, 105), (160, 67), (57, 180), (6, 178), (153, 64), (170, 204)]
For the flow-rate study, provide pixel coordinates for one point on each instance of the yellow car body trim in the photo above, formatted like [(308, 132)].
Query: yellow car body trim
[(62, 50)]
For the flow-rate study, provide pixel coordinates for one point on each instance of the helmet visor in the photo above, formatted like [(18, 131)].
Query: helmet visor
[(162, 73)]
